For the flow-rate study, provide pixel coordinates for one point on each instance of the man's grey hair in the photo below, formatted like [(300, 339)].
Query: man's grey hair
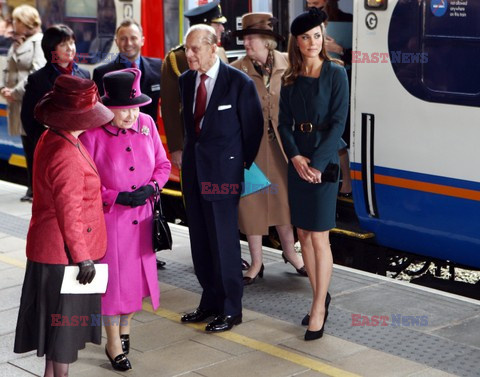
[(209, 37)]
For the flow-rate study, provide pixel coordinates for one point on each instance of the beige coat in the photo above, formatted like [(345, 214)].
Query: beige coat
[(22, 61), (268, 207)]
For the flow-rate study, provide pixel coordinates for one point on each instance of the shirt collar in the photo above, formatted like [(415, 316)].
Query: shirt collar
[(213, 71), (114, 130), (127, 63)]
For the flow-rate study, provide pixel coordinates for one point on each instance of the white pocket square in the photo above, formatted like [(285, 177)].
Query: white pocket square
[(224, 107)]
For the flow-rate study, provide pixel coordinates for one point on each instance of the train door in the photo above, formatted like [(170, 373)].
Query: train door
[(415, 97)]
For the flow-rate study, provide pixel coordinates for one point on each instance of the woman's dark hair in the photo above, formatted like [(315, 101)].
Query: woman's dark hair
[(53, 36)]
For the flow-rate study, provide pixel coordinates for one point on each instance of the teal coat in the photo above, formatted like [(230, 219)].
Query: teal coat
[(324, 101)]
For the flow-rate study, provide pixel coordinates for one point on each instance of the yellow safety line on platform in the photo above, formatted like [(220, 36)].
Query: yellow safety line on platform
[(12, 261), (259, 346), (234, 337)]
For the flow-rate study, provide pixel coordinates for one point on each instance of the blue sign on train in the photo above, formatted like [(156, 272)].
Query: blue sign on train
[(439, 7)]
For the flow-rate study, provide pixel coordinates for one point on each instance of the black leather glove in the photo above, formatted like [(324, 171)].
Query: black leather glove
[(140, 195), (87, 272), (124, 198)]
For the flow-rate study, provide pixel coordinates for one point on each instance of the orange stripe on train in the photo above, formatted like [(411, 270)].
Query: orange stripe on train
[(422, 186)]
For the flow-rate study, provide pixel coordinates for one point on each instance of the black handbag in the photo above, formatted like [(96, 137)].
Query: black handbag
[(330, 173), (162, 237)]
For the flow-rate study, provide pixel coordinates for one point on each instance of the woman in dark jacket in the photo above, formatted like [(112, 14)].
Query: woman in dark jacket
[(58, 45)]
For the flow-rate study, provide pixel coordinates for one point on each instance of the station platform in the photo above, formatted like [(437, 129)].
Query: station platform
[(376, 326)]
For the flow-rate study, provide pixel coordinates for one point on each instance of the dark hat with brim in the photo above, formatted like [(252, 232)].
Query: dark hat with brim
[(307, 21), (258, 23), (206, 14), (122, 89), (73, 105)]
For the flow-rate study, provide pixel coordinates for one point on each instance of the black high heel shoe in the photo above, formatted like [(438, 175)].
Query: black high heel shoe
[(306, 319), (120, 362), (302, 271), (247, 280), (125, 339), (312, 335)]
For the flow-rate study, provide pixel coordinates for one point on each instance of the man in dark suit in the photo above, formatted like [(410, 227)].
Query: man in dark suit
[(129, 39), (175, 63), (223, 123)]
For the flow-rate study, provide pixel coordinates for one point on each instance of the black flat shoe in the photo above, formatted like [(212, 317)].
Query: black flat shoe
[(198, 315), (306, 319), (223, 323), (160, 263), (301, 271), (247, 280), (27, 198), (120, 362), (125, 339), (345, 195), (245, 265)]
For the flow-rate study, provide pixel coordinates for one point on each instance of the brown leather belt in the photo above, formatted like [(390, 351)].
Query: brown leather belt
[(308, 127)]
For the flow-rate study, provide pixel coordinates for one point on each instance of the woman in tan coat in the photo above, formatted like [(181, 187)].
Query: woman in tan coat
[(24, 57), (268, 207)]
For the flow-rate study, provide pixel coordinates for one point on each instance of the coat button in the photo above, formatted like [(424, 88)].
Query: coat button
[(128, 149), (132, 168), (135, 222), (89, 230), (134, 187), (124, 132)]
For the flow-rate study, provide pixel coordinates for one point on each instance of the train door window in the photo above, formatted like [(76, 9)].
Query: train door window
[(451, 45), (172, 26), (434, 50), (92, 21)]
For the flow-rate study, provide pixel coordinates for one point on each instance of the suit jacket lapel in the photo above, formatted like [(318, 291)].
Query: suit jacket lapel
[(219, 90), (189, 94)]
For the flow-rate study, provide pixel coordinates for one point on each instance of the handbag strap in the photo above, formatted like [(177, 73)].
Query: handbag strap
[(156, 198)]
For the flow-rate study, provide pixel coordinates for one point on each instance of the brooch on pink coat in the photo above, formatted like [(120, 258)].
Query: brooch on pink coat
[(145, 130)]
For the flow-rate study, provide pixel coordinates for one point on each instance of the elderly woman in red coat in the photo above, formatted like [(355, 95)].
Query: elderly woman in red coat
[(130, 157), (67, 227)]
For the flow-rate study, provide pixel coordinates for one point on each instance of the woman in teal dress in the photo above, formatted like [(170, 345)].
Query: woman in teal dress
[(313, 110)]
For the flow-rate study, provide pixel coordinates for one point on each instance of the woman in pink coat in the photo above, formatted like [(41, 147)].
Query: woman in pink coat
[(130, 157)]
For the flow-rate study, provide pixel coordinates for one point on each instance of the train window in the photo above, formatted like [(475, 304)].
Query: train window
[(81, 8), (434, 53), (376, 4), (92, 21)]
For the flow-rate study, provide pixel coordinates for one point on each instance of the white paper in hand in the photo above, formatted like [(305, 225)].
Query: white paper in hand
[(70, 284)]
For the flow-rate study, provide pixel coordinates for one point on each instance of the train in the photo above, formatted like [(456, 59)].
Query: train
[(415, 92)]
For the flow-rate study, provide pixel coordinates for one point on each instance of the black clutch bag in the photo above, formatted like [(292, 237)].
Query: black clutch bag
[(330, 174), (162, 237)]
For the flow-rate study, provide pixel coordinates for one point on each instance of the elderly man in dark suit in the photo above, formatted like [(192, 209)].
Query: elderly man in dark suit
[(223, 128), (129, 39)]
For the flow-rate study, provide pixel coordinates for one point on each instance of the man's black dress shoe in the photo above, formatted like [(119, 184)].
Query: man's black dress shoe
[(223, 323), (198, 315), (120, 362), (125, 339)]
